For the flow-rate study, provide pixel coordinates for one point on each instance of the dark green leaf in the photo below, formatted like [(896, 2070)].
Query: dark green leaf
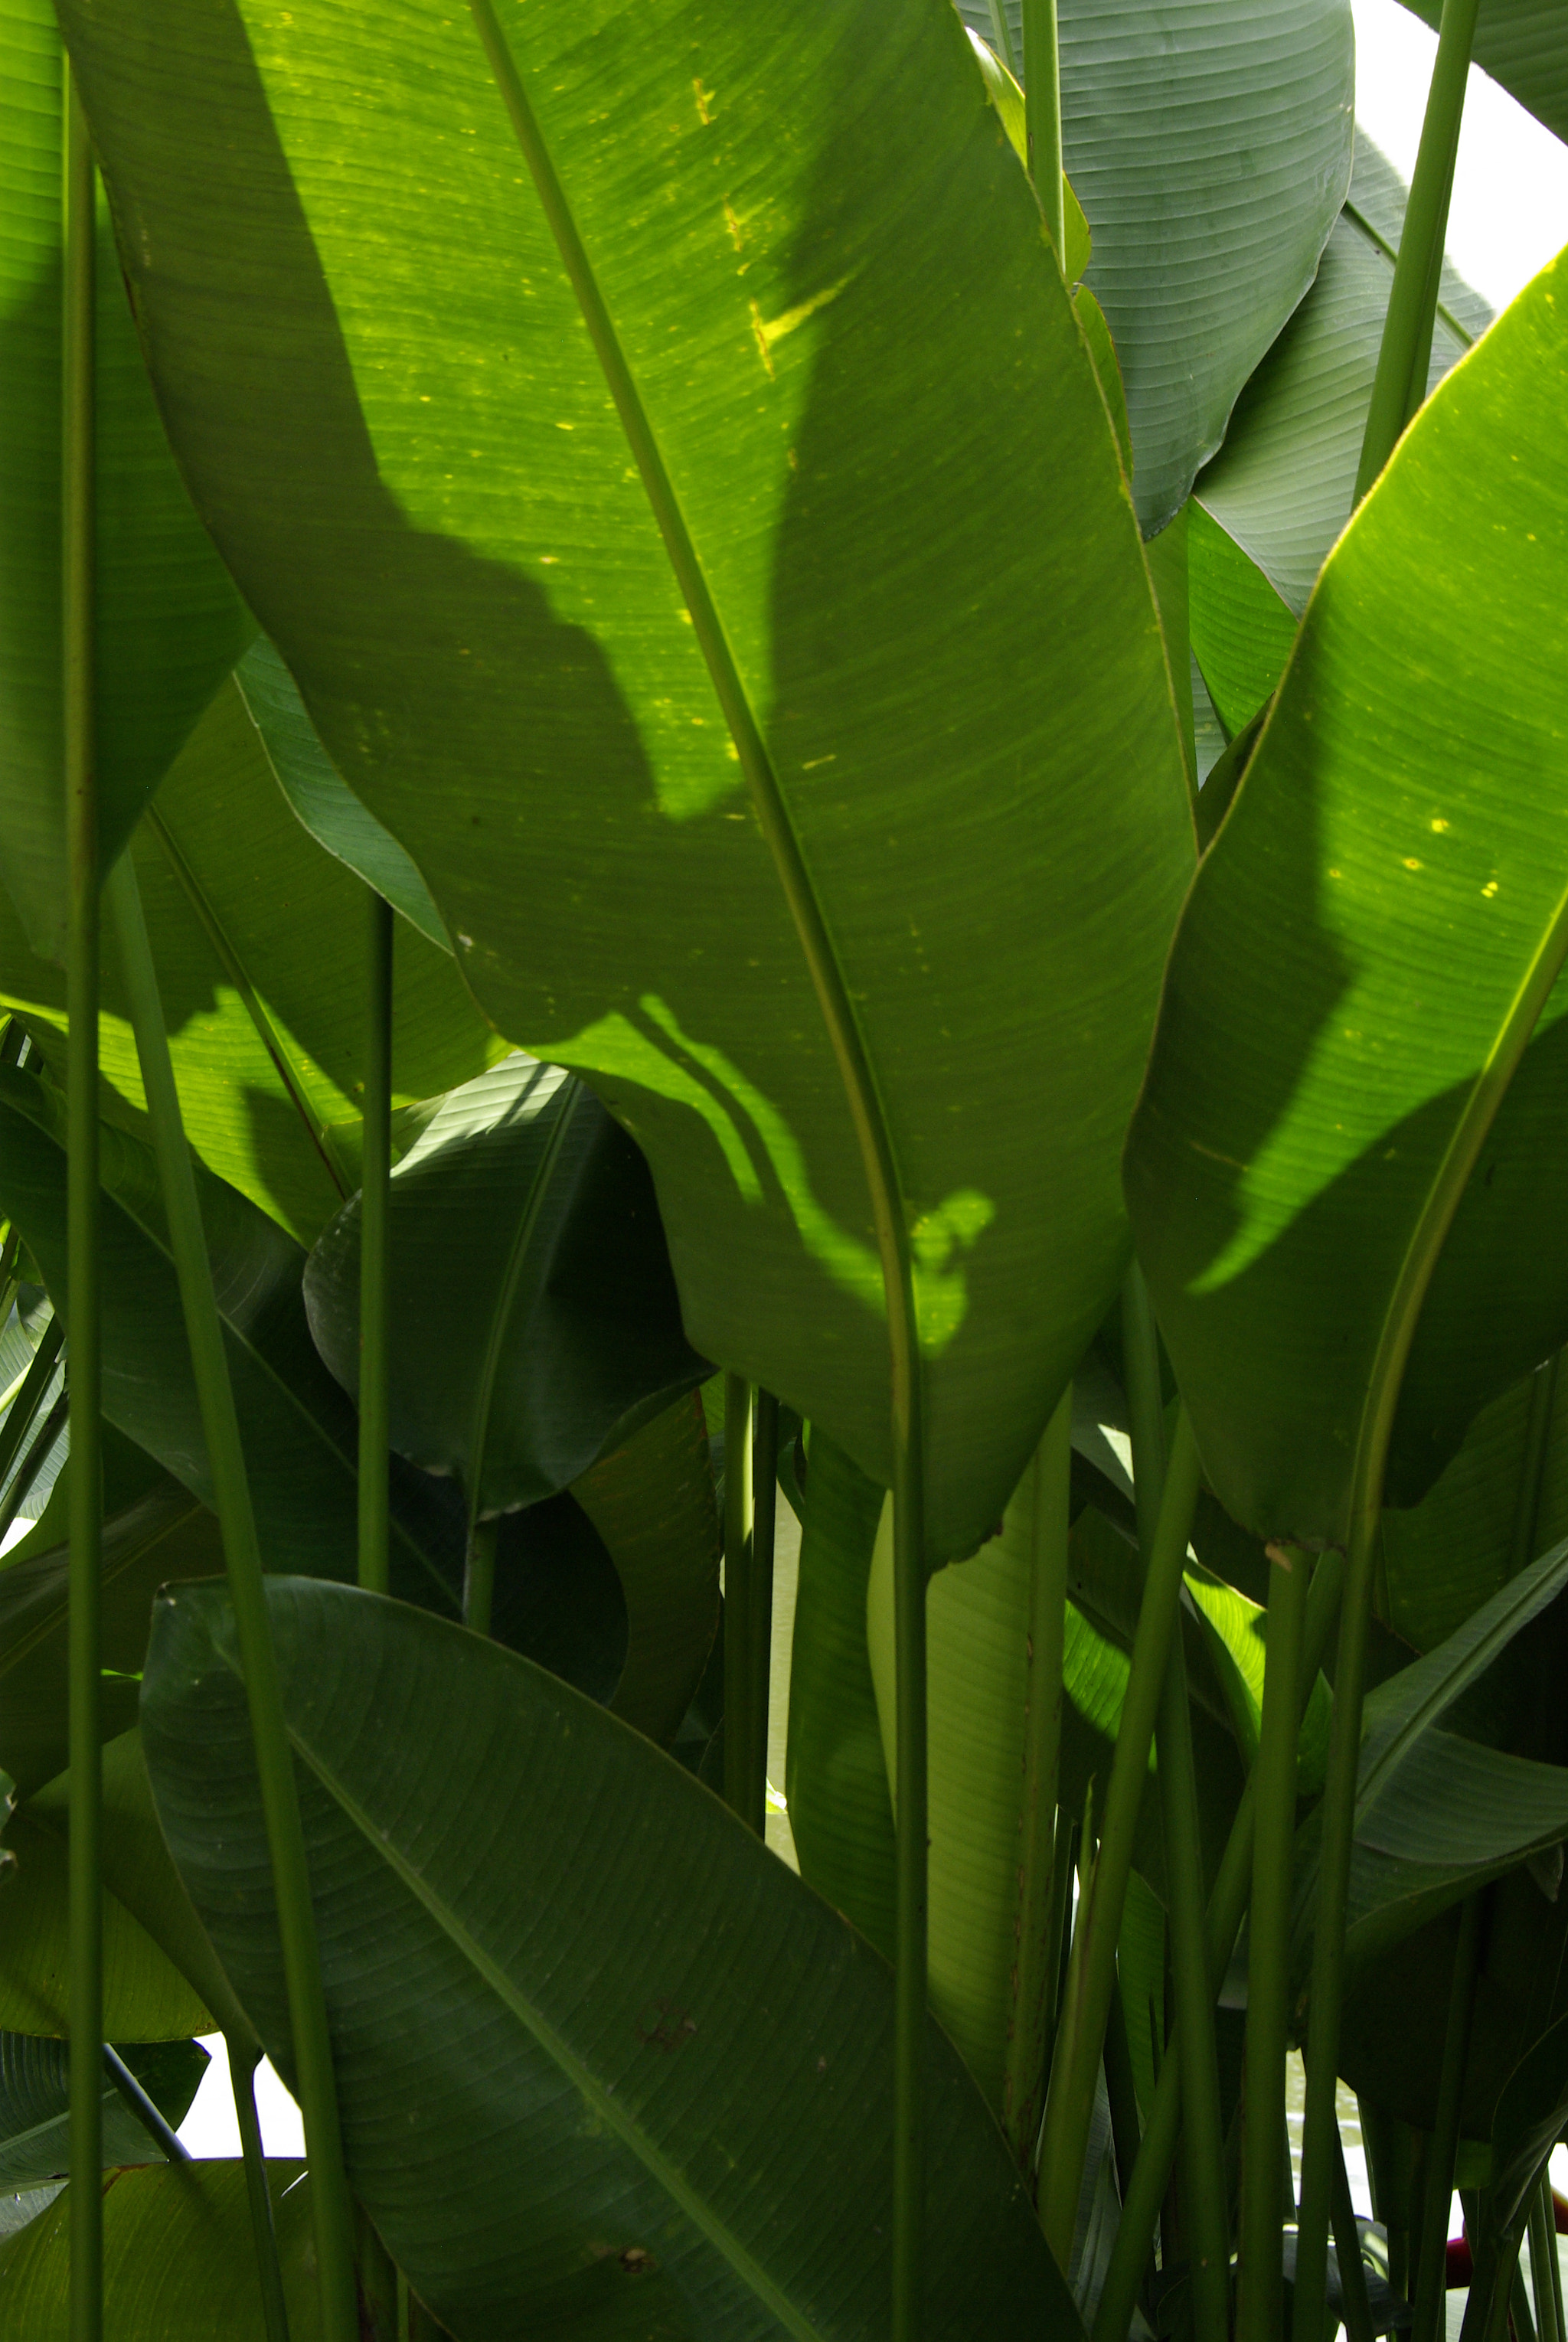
[(682, 2078), (469, 586), (1522, 43), (34, 2096), (653, 1504), (179, 2259), (169, 623), (1531, 2114), (558, 1329), (1356, 976), (145, 1998)]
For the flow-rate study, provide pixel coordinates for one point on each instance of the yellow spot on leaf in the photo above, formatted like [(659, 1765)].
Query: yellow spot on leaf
[(703, 101)]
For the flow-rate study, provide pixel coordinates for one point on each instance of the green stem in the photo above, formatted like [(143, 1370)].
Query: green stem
[(375, 1437), (765, 1520), (1069, 2105), (479, 1575), (1203, 2200), (1260, 2309), (1412, 302), (1355, 2306), (1533, 1472), (377, 2283), (1431, 2272), (1555, 2263), (78, 461), (1036, 1947), (1043, 118), (142, 2107), (1227, 1903), (332, 2211), (244, 2059), (24, 1406), (740, 1398), (1002, 36), (868, 1114), (1543, 2256)]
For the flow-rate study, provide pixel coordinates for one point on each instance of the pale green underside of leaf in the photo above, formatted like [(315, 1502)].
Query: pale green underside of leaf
[(1392, 874), (1522, 43), (838, 306)]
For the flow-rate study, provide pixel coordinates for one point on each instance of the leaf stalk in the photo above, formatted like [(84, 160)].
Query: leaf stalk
[(1432, 2274), (331, 2203), (375, 1267), (244, 2058)]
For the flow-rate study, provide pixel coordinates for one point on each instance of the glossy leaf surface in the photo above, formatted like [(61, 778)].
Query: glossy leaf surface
[(259, 942), (1211, 148), (1355, 975), (683, 2077), (559, 1334), (428, 498), (178, 2259), (169, 623)]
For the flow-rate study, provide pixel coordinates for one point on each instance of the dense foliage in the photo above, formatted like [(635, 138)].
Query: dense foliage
[(797, 756)]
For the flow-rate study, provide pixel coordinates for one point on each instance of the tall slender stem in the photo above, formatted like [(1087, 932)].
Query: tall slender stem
[(244, 2059), (1069, 2105), (332, 2210), (374, 1441), (1338, 1811), (1227, 1903), (909, 1905), (1043, 118), (1260, 2309), (1412, 302), (78, 460), (740, 1397), (1356, 2308), (765, 1520), (1432, 2274), (162, 2136), (1036, 1948)]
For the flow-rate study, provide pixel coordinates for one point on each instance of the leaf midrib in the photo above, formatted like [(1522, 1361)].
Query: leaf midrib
[(606, 2105)]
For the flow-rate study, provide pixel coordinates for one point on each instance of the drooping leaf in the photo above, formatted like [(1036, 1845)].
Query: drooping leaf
[(558, 1333), (438, 522), (1522, 43), (683, 2077), (34, 2100), (260, 942), (653, 1504), (313, 788), (179, 2258), (835, 1775), (1357, 974), (169, 625), (1204, 242)]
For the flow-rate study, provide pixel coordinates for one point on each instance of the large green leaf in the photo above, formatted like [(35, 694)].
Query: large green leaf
[(260, 942), (179, 2259), (1356, 974), (169, 625), (681, 2079), (653, 1503), (1531, 2114), (1211, 149), (825, 276), (840, 1813), (328, 808), (1522, 43), (34, 2099), (534, 1320)]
